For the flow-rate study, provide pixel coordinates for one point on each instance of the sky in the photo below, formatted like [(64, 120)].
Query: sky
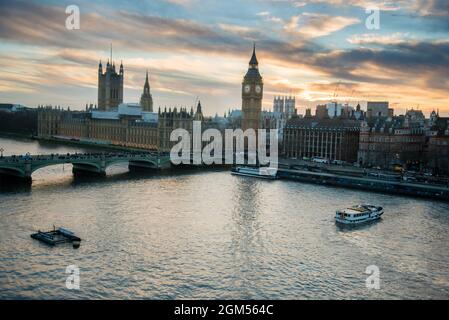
[(317, 51)]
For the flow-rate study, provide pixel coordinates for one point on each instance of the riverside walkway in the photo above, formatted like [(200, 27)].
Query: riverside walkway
[(416, 189)]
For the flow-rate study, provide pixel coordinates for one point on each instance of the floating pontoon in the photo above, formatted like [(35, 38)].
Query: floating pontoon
[(57, 236)]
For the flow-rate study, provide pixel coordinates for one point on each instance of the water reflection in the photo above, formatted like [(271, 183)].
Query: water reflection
[(14, 185)]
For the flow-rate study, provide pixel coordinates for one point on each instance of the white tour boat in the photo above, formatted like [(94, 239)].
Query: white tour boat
[(358, 214), (258, 172)]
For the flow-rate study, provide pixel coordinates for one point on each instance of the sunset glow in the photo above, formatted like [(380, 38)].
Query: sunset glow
[(314, 50)]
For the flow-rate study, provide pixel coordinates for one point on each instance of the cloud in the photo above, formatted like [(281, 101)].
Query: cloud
[(386, 5), (299, 4), (45, 26), (377, 39), (312, 25), (438, 8), (418, 62), (309, 25), (184, 3), (243, 31)]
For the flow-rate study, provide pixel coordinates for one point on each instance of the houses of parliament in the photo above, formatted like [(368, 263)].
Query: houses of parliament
[(136, 125)]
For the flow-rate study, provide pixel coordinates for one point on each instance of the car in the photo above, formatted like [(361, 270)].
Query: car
[(338, 162), (320, 160)]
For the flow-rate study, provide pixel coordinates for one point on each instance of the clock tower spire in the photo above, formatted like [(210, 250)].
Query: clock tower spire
[(252, 94)]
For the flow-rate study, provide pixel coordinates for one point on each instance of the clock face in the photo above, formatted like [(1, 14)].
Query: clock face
[(258, 89), (247, 88)]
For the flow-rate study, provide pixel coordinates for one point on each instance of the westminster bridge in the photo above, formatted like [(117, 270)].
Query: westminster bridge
[(23, 166)]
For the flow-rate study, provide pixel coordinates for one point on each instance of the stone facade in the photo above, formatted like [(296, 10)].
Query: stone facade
[(171, 120), (332, 139), (126, 131), (386, 142)]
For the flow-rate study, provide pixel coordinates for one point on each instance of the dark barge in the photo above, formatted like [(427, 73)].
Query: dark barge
[(57, 236)]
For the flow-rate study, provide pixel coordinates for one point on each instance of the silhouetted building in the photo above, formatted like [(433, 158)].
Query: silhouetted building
[(321, 112), (378, 109), (438, 144), (285, 106), (16, 118)]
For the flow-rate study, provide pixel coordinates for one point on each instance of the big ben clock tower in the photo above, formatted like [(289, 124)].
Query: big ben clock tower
[(252, 94)]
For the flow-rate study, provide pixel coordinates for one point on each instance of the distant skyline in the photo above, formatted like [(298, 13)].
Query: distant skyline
[(201, 49)]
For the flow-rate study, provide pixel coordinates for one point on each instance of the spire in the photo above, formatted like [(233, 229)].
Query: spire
[(146, 100), (253, 62), (111, 52), (199, 112), (146, 87)]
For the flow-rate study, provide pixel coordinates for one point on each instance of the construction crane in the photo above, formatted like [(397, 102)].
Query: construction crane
[(349, 97), (197, 98), (335, 92)]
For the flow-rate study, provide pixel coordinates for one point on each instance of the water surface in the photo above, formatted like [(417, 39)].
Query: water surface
[(193, 234)]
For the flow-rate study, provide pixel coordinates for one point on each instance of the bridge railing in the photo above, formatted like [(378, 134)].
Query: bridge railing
[(79, 156)]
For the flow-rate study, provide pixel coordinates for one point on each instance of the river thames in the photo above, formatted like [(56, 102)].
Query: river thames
[(206, 234)]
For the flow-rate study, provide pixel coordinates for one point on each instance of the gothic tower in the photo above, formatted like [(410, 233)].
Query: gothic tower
[(252, 94), (199, 112), (146, 100), (110, 86)]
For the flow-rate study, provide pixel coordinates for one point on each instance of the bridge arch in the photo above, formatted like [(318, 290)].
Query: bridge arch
[(117, 161), (93, 165), (144, 163), (12, 171), (88, 166)]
